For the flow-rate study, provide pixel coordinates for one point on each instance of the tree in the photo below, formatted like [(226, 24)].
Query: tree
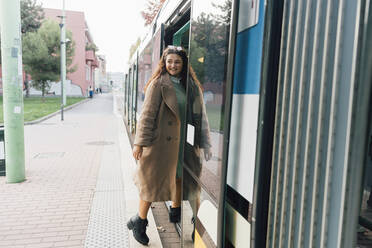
[(31, 16), (224, 16), (209, 48), (41, 55), (91, 47), (151, 10)]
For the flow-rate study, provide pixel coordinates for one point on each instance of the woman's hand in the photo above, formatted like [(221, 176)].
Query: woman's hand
[(207, 154), (137, 152)]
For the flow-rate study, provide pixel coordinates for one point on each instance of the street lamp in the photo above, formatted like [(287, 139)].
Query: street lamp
[(63, 58)]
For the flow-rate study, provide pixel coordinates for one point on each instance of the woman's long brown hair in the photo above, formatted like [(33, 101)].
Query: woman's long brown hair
[(161, 69)]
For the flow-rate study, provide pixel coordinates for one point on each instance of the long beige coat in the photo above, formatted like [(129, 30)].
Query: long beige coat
[(158, 131)]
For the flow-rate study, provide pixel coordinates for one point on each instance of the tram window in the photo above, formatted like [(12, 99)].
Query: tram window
[(208, 54), (147, 63), (156, 49), (144, 73), (365, 219)]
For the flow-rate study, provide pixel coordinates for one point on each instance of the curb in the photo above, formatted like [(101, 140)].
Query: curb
[(55, 113)]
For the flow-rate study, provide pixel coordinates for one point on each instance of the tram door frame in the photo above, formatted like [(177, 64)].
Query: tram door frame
[(177, 41)]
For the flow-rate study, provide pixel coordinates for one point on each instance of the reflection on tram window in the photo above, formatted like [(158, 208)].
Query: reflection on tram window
[(365, 218), (209, 41), (199, 214), (148, 60), (191, 193), (144, 73), (210, 26)]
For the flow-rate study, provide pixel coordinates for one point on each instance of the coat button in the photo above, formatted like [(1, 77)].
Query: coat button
[(169, 123), (169, 138)]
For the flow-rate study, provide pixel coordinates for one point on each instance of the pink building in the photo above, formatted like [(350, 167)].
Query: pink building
[(85, 60)]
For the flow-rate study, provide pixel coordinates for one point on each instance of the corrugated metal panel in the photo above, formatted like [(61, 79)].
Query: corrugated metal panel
[(317, 77)]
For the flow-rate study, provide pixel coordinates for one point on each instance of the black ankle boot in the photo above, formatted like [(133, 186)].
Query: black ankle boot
[(139, 229), (175, 215)]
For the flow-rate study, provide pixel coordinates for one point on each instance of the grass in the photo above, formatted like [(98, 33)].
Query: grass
[(35, 107), (215, 117)]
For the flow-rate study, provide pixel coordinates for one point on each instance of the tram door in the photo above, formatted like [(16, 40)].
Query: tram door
[(206, 107), (126, 82), (134, 100), (129, 96)]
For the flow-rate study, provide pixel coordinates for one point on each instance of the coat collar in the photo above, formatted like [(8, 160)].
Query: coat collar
[(169, 94)]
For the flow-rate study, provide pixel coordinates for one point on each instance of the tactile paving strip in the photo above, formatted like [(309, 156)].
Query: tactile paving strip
[(107, 223), (49, 155)]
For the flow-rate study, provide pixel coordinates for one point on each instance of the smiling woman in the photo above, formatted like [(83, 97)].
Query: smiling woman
[(36, 107), (173, 64)]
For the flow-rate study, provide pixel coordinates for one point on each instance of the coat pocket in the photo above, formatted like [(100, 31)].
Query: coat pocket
[(146, 152)]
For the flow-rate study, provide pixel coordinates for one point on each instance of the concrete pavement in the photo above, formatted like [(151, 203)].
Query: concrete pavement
[(79, 190)]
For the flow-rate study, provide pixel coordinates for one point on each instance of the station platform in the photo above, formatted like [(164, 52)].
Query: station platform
[(78, 190)]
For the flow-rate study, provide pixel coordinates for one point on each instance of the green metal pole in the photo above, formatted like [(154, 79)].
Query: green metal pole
[(63, 59), (11, 47), (63, 54)]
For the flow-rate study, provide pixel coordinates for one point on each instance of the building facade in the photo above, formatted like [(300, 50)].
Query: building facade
[(85, 59), (100, 73), (116, 79)]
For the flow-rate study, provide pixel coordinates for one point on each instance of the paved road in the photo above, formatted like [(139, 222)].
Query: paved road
[(74, 195)]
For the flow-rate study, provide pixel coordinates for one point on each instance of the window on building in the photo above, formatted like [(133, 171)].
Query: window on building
[(87, 72)]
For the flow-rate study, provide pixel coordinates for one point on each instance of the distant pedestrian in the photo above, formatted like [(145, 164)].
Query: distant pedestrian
[(100, 90), (90, 92)]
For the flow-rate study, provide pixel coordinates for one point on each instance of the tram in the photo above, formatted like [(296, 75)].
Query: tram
[(287, 87)]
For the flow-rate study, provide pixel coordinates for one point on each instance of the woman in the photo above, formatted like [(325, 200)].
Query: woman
[(158, 144)]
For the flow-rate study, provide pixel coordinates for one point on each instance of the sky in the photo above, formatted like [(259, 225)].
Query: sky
[(114, 25)]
